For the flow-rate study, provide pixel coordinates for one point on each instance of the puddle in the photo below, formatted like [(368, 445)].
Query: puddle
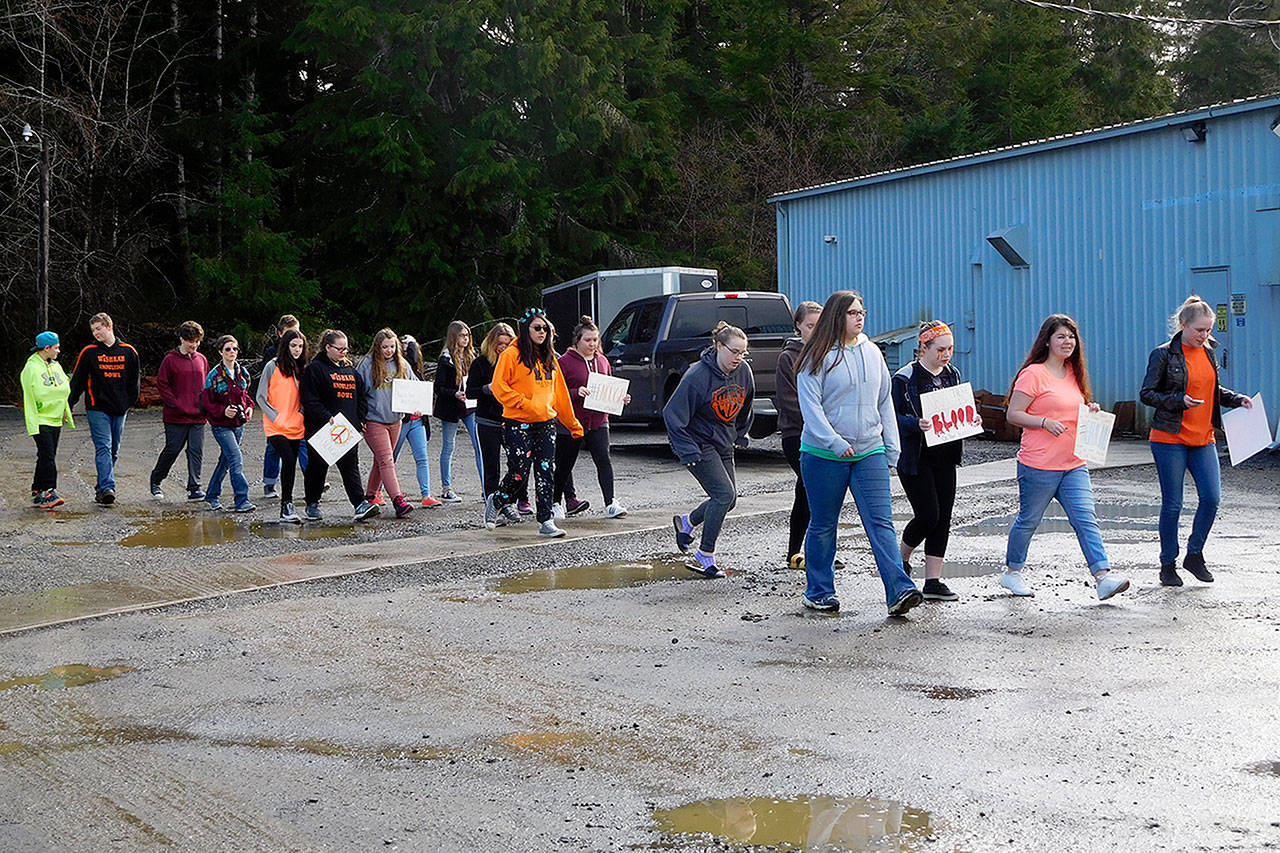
[(561, 747), (68, 675), (1264, 768), (800, 823), (599, 576), (942, 692), (1110, 517), (187, 531)]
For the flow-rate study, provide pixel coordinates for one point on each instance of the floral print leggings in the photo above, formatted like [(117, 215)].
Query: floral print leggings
[(529, 445)]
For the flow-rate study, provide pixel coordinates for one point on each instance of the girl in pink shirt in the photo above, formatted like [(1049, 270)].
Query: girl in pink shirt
[(1045, 401)]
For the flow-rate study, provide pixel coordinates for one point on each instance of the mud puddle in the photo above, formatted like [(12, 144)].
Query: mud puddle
[(861, 824), (67, 675), (1110, 517), (616, 575), (186, 531), (943, 692)]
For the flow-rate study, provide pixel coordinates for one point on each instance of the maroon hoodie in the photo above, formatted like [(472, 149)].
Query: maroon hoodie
[(576, 373), (180, 382)]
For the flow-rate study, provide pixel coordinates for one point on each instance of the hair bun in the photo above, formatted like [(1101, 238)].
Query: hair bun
[(586, 318)]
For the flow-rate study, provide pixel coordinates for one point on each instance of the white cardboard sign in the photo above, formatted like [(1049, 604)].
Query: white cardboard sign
[(335, 440), (411, 395), (605, 393), (1093, 435), (1247, 430), (952, 414)]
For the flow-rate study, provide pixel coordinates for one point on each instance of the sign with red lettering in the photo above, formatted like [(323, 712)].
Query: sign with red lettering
[(952, 414)]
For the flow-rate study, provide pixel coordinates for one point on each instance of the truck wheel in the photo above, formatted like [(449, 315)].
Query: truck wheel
[(763, 426)]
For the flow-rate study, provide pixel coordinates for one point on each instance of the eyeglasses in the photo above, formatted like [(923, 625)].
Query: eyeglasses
[(538, 328), (231, 349), (857, 312), (740, 353), (338, 348)]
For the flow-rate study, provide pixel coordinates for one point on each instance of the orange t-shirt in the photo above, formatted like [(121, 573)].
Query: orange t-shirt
[(1056, 399), (1197, 421), (282, 393)]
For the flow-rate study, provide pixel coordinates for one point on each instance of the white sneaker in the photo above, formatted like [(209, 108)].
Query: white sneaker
[(615, 510), (557, 512), (1111, 585), (548, 529), (1013, 582)]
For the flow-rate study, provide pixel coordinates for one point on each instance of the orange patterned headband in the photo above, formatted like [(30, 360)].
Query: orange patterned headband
[(934, 332)]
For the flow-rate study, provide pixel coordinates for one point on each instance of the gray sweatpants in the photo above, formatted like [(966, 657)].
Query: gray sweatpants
[(714, 472)]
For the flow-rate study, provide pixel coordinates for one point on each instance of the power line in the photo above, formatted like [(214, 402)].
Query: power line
[(1238, 23)]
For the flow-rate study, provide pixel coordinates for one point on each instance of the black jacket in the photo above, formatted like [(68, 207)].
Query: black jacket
[(327, 389), (907, 386), (488, 409), (1165, 385), (448, 408), (108, 377)]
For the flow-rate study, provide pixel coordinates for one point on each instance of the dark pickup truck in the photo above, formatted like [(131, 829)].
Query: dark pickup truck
[(652, 342)]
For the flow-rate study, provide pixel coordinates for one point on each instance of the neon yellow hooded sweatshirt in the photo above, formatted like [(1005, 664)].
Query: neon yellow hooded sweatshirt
[(45, 390)]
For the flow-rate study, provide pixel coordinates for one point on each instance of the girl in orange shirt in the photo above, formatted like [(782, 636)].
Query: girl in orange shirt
[(1182, 377), (281, 406)]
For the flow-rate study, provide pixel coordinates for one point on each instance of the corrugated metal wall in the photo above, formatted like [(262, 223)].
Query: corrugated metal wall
[(1119, 228)]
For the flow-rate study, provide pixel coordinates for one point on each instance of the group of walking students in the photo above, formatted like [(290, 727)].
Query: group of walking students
[(844, 421)]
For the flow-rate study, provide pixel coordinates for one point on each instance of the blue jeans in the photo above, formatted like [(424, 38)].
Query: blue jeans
[(271, 463), (415, 433), (106, 431), (448, 430), (1074, 492), (229, 460), (825, 482), (1173, 461)]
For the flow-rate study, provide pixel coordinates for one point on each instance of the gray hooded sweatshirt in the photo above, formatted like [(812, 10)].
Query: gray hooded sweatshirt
[(849, 402), (710, 410)]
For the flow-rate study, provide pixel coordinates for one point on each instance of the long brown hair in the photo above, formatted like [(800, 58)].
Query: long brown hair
[(532, 354), (829, 333), (462, 356), (378, 365), (1039, 354), (285, 362)]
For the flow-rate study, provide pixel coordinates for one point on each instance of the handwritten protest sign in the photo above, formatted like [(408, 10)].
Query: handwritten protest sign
[(952, 414), (605, 393), (334, 440), (1247, 430), (411, 395), (1093, 435)]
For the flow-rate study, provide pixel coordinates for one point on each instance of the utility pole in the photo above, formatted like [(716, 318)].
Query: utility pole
[(42, 271)]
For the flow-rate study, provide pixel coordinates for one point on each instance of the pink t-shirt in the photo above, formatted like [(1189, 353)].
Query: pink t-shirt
[(1058, 400)]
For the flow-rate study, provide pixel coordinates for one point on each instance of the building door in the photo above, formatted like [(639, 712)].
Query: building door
[(1213, 285)]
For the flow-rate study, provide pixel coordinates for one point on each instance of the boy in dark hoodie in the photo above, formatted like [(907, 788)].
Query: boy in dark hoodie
[(707, 416), (180, 382), (107, 373)]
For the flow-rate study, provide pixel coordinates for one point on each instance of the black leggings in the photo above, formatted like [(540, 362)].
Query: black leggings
[(491, 461), (567, 447), (287, 450), (932, 493), (317, 470), (46, 475), (800, 504), (529, 446)]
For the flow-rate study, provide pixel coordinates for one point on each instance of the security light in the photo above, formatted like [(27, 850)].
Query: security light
[(27, 133), (1194, 132)]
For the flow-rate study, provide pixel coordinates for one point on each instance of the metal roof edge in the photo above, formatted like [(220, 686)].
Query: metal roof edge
[(1260, 102)]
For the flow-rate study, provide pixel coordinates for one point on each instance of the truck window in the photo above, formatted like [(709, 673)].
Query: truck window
[(620, 329), (695, 318), (767, 317), (647, 322)]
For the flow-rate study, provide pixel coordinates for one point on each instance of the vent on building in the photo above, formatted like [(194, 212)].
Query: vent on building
[(1011, 243)]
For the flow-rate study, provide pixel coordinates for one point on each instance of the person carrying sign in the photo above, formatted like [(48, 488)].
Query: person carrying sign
[(928, 474), (1045, 401), (1181, 384), (330, 386)]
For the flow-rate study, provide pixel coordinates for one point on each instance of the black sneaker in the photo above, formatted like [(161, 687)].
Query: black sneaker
[(827, 603), (106, 497), (1194, 563), (909, 599), (1169, 575), (936, 590), (268, 490)]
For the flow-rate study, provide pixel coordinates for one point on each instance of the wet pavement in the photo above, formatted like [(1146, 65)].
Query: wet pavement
[(591, 695)]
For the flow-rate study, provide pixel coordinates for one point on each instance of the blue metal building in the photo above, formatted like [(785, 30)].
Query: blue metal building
[(1113, 226)]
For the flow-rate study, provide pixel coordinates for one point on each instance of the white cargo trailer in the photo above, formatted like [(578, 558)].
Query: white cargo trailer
[(603, 293)]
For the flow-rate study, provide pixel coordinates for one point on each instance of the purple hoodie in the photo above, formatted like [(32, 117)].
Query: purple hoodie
[(180, 382), (576, 373)]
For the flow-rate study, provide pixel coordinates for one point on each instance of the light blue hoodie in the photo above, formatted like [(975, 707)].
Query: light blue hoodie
[(849, 403)]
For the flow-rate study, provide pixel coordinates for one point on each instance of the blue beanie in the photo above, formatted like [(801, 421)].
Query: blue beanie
[(46, 339)]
